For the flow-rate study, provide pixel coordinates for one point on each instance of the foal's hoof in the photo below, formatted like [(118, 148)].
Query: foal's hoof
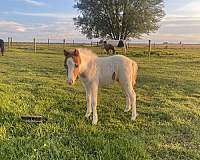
[(87, 115), (127, 109), (133, 118), (94, 122)]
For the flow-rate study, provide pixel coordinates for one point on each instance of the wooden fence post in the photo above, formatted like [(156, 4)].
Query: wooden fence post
[(149, 48), (8, 42), (64, 41), (11, 42), (48, 42), (181, 45), (34, 43), (73, 43)]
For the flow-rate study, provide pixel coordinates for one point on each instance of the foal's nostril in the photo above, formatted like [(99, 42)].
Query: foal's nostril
[(70, 82)]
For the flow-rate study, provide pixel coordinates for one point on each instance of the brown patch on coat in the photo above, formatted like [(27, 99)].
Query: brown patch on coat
[(83, 75), (77, 60), (113, 76)]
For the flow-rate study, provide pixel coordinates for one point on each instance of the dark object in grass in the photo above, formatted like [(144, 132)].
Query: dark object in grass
[(2, 46), (34, 119)]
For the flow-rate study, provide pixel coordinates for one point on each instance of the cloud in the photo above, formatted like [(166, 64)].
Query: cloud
[(171, 37), (45, 15), (11, 26), (175, 18), (35, 3), (182, 24), (20, 29), (56, 30), (176, 29), (191, 9)]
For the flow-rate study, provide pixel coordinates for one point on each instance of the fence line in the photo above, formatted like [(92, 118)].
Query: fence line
[(148, 45), (35, 43)]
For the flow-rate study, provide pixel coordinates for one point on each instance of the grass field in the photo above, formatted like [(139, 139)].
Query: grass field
[(168, 103)]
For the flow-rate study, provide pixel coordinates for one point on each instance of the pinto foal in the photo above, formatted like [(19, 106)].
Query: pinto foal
[(108, 47), (96, 71)]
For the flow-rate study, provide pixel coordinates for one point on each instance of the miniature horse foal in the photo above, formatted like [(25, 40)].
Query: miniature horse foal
[(96, 71)]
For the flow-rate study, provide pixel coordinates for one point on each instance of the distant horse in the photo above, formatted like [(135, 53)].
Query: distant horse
[(113, 44), (109, 47), (2, 47), (96, 71)]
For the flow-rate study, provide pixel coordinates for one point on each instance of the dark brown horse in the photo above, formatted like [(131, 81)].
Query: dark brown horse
[(109, 47), (2, 46)]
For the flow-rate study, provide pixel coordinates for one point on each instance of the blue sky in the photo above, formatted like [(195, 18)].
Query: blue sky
[(43, 19)]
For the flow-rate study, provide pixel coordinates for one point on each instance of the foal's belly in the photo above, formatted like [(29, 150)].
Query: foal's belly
[(106, 67), (105, 80)]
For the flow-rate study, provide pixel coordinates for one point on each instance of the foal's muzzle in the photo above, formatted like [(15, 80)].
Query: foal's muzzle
[(70, 82)]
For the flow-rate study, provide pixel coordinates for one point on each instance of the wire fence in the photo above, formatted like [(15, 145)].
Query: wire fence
[(37, 44)]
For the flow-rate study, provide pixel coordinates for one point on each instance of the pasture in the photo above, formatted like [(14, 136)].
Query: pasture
[(168, 103)]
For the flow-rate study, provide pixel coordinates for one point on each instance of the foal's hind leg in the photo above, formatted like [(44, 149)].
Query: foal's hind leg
[(134, 113), (132, 97), (128, 103)]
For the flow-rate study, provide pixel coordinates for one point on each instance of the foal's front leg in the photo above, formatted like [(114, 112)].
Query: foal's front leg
[(88, 98), (94, 103)]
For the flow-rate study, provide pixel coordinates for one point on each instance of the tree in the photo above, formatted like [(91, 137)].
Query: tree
[(118, 19)]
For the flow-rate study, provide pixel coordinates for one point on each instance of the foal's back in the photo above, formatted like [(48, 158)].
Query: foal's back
[(117, 67), (114, 60)]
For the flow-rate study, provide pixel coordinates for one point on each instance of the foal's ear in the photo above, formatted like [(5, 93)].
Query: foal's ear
[(66, 53), (76, 52)]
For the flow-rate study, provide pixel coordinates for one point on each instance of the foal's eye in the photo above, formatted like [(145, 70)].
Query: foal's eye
[(76, 65)]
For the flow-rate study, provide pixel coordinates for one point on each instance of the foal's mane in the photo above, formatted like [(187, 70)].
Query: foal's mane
[(84, 52)]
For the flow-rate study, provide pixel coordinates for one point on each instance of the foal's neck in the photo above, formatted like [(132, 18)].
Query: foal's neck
[(87, 61)]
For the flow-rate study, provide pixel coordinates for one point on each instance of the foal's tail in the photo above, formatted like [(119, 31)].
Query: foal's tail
[(134, 72)]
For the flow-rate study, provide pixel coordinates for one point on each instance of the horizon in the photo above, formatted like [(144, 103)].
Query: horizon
[(25, 19)]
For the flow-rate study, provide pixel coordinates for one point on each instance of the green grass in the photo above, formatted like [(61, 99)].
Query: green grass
[(168, 103)]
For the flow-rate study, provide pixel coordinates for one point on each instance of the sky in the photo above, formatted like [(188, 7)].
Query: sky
[(43, 19)]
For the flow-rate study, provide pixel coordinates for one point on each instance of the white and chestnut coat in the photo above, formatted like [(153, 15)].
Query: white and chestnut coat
[(96, 71)]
